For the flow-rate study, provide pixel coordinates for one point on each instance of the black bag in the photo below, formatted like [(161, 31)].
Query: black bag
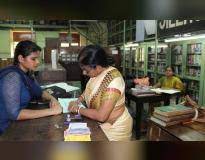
[(58, 92)]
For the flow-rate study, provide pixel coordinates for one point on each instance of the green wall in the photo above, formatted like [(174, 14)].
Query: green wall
[(41, 38), (42, 35), (5, 44), (5, 40)]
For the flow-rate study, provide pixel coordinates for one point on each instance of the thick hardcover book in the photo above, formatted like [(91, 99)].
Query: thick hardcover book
[(173, 110), (166, 124), (173, 118)]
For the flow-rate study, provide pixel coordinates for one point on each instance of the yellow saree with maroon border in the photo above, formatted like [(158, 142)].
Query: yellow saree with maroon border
[(109, 85)]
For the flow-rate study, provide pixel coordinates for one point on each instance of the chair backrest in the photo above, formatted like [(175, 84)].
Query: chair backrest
[(129, 81), (5, 62), (184, 92), (186, 84)]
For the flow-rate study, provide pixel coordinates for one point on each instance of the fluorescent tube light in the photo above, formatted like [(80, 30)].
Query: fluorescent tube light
[(185, 38), (160, 46), (131, 45)]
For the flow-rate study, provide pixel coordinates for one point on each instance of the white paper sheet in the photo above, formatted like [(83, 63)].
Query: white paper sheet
[(77, 125), (63, 85), (78, 128), (64, 102), (168, 91)]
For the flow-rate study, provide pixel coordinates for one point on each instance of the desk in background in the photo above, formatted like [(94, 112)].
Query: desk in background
[(139, 101)]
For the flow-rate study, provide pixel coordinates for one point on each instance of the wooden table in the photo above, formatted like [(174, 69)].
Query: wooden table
[(47, 129), (140, 100), (194, 131)]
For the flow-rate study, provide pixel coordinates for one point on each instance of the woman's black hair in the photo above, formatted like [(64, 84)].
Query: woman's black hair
[(25, 48), (173, 70), (93, 55)]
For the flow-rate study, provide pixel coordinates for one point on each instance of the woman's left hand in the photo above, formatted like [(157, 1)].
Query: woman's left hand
[(54, 102)]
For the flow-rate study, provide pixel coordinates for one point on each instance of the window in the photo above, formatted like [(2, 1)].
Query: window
[(67, 41), (20, 36)]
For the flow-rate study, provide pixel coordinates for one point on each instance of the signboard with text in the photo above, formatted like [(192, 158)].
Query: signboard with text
[(167, 28)]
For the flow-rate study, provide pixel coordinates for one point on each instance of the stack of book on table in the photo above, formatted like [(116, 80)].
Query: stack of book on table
[(171, 115), (77, 132)]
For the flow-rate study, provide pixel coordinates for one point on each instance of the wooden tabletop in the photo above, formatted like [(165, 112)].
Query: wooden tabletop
[(47, 129), (193, 131)]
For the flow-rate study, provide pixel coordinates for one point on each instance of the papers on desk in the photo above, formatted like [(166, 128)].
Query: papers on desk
[(78, 128), (63, 85), (142, 91), (168, 91), (77, 132), (64, 102)]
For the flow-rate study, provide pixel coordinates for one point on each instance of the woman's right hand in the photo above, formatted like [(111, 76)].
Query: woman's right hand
[(72, 104)]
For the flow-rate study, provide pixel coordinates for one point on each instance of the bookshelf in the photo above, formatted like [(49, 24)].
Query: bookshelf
[(116, 29), (193, 69), (129, 67), (140, 61), (186, 58), (133, 63), (121, 32), (176, 58), (128, 59), (193, 61), (162, 59), (151, 63)]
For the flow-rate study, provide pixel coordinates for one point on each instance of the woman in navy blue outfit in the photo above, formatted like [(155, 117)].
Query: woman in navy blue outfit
[(18, 87)]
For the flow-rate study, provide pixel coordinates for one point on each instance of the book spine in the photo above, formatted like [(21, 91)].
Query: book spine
[(174, 118)]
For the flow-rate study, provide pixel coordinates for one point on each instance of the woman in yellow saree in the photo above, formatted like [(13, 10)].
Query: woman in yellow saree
[(104, 95), (169, 80)]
